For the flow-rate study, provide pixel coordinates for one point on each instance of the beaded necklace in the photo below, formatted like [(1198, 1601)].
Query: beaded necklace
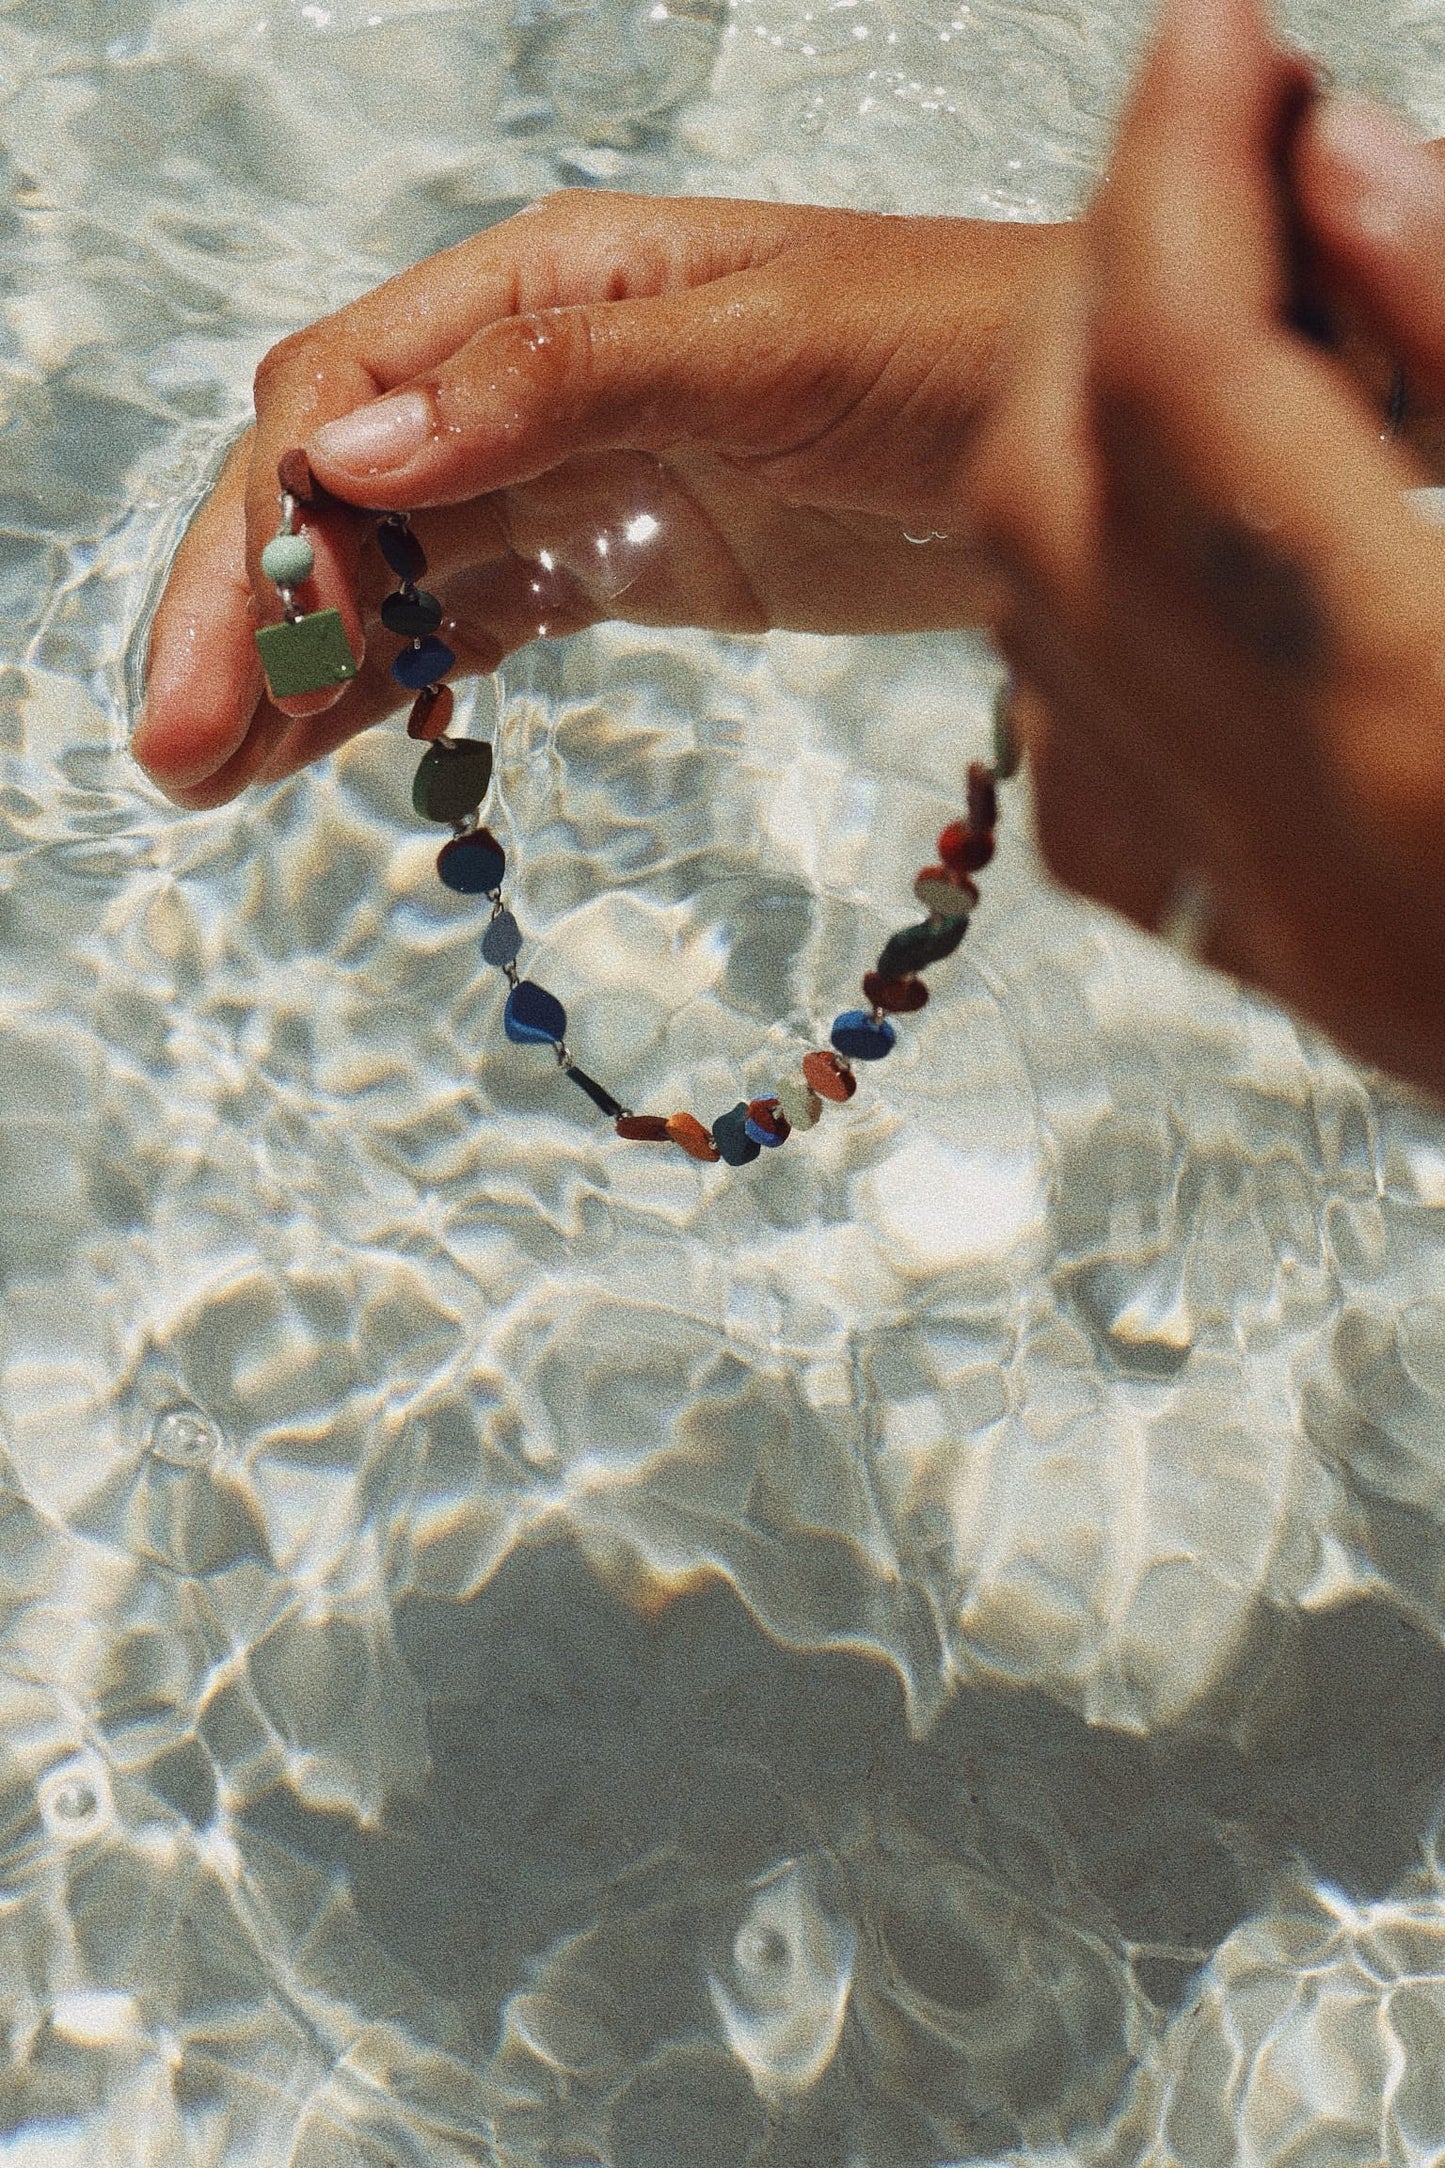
[(308, 651)]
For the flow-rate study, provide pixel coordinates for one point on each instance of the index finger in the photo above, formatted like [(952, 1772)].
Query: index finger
[(1216, 418)]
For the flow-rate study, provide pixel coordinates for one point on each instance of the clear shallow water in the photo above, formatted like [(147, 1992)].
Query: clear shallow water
[(514, 1648)]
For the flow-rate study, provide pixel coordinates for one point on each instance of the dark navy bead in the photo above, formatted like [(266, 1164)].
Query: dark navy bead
[(472, 865), (401, 549), (533, 1016), (858, 1038), (729, 1135), (423, 664), (916, 946), (597, 1093), (502, 941), (409, 616), (453, 779)]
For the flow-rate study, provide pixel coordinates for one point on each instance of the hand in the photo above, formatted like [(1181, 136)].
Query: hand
[(1226, 624), (752, 405)]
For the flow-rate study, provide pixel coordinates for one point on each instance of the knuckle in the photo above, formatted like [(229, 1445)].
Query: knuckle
[(289, 357)]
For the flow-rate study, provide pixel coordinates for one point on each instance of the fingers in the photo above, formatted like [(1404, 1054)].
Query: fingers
[(1375, 200), (1216, 418), (203, 681), (1188, 214)]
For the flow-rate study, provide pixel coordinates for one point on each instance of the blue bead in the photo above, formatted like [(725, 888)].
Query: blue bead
[(473, 865), (759, 1135), (858, 1038), (728, 1135), (423, 664), (502, 941), (533, 1016)]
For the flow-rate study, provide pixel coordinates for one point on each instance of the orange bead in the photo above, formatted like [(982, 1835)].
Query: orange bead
[(431, 711), (898, 995), (647, 1128), (832, 1078), (687, 1130)]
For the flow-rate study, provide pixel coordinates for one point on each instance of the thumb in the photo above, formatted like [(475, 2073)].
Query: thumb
[(1374, 201)]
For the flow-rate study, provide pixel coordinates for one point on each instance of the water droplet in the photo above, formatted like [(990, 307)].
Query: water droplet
[(760, 1949), (810, 120), (185, 1438), (74, 1801)]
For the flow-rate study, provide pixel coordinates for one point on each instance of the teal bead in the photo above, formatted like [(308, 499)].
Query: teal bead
[(917, 946), (288, 559), (453, 779), (472, 865), (729, 1134), (411, 616)]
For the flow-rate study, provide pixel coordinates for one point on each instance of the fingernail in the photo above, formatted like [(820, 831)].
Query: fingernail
[(1397, 179), (375, 439)]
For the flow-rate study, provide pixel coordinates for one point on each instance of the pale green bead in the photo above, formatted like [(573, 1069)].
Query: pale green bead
[(288, 559), (1007, 752), (799, 1102)]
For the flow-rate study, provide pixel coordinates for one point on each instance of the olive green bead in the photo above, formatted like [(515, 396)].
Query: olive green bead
[(453, 779), (305, 655), (288, 559)]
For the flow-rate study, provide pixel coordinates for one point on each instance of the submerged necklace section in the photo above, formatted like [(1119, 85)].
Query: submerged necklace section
[(309, 652)]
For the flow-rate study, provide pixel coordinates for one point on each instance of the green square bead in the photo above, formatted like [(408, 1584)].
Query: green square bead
[(306, 655)]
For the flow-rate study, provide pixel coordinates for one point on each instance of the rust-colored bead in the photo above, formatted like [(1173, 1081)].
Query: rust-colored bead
[(767, 1115), (647, 1128), (687, 1130), (832, 1078), (293, 472), (982, 799), (964, 849), (431, 711), (898, 995)]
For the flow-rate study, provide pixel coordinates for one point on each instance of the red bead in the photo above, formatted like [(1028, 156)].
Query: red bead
[(649, 1128), (293, 472), (982, 798), (832, 1078), (770, 1116), (964, 849), (687, 1130), (431, 711), (898, 995)]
